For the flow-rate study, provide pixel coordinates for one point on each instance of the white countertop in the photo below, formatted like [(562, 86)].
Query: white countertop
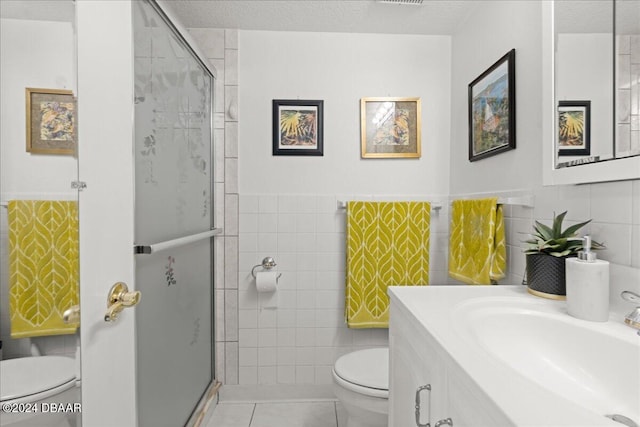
[(521, 400)]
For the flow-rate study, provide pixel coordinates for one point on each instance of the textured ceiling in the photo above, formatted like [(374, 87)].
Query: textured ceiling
[(39, 10), (345, 16), (353, 16), (596, 16)]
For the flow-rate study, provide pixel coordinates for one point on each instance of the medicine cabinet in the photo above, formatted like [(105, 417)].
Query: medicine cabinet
[(591, 91)]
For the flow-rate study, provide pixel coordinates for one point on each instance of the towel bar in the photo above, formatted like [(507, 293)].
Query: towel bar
[(526, 201), (342, 205)]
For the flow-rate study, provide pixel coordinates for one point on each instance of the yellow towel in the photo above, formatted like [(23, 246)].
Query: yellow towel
[(477, 248), (387, 244), (43, 266)]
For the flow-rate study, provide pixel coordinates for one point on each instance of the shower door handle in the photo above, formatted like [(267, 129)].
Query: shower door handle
[(174, 243), (120, 298)]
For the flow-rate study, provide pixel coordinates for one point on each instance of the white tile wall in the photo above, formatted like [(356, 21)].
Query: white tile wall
[(298, 341), (220, 47), (612, 207)]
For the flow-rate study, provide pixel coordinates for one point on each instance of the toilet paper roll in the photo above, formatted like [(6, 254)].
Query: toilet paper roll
[(266, 281)]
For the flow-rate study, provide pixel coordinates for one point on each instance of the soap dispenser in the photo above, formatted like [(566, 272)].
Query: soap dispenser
[(587, 280)]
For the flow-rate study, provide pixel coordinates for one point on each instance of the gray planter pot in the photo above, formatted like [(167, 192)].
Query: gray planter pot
[(546, 276)]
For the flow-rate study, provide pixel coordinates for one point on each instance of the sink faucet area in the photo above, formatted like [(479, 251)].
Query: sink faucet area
[(632, 319), (526, 355)]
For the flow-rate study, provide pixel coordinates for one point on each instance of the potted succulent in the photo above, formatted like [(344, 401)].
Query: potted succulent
[(548, 248)]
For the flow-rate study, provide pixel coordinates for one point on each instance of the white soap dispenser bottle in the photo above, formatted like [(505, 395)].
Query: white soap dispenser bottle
[(587, 281)]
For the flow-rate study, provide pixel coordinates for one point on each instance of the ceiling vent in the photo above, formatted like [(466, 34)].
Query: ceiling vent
[(411, 2)]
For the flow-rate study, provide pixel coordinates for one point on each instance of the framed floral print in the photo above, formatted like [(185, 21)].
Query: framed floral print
[(51, 121), (297, 127), (390, 127)]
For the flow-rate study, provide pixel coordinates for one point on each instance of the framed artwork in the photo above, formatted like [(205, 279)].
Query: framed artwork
[(574, 128), (51, 121), (492, 109), (390, 127), (297, 127)]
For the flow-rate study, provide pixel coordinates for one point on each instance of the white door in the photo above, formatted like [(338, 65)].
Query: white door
[(105, 88)]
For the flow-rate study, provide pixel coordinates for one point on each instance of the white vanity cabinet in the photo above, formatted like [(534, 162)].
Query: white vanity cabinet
[(493, 356), (417, 382), (417, 360)]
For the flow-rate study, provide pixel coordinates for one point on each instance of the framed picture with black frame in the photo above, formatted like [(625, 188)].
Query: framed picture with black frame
[(574, 128), (297, 127), (492, 109)]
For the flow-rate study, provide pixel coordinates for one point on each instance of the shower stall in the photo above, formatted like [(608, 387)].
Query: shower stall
[(173, 220), (150, 182)]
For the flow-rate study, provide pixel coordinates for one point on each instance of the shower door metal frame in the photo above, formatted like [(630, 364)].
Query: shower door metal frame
[(164, 12)]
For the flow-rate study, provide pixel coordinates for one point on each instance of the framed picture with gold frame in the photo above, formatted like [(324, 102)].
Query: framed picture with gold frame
[(390, 127), (51, 121)]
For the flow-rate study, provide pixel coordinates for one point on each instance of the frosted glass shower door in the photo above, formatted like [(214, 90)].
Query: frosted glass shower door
[(173, 181)]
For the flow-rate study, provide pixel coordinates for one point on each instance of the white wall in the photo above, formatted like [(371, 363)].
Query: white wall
[(614, 207), (288, 204), (340, 69), (33, 54), (489, 34)]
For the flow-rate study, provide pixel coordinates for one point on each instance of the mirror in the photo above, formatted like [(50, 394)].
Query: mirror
[(38, 163), (596, 112), (627, 88)]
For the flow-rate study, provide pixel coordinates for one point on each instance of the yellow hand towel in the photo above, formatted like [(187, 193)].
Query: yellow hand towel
[(43, 266), (477, 248), (387, 244)]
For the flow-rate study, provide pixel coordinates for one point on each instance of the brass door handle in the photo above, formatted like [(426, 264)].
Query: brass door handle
[(120, 298)]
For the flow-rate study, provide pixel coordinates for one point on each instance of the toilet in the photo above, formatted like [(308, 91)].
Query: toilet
[(45, 383), (361, 383)]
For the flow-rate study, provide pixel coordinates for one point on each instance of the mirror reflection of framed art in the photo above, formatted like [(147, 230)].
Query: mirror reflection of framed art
[(574, 127)]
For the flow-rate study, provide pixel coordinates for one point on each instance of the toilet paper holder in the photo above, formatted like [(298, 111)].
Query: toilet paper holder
[(267, 263)]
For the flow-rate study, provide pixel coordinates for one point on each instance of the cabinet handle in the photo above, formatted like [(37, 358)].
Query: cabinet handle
[(418, 391), (445, 422)]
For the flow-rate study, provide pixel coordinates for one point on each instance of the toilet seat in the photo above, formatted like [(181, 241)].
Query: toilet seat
[(365, 372), (27, 379)]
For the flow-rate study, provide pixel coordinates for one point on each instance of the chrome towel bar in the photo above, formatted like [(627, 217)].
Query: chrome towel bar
[(342, 205), (525, 200)]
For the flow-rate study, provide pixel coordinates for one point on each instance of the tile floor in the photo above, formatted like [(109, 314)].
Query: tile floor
[(278, 414)]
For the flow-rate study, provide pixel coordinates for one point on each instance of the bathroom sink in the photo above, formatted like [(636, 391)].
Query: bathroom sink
[(595, 365)]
